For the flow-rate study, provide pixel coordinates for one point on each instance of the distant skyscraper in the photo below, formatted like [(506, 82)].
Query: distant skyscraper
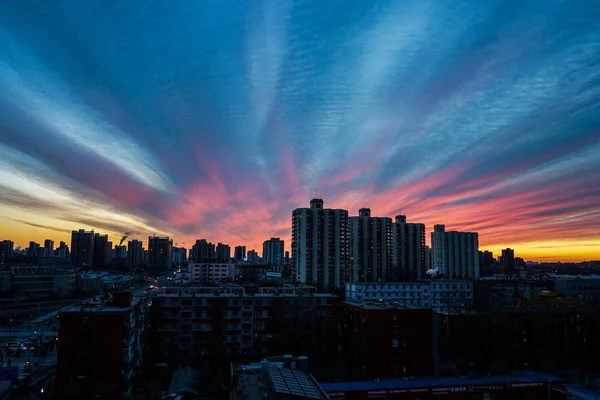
[(135, 253), (49, 247), (82, 248), (508, 260), (370, 248), (33, 251), (459, 252), (203, 252), (287, 257), (120, 252), (223, 253), (320, 245), (102, 250), (409, 250), (252, 256), (486, 259), (63, 252), (6, 250), (159, 252), (239, 253), (273, 252), (179, 255)]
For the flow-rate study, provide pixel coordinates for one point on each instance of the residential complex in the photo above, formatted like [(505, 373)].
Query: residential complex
[(82, 248), (159, 252), (409, 252), (455, 254), (370, 248), (273, 252), (320, 253)]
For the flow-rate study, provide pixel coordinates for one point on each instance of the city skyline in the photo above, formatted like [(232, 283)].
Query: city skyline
[(217, 125)]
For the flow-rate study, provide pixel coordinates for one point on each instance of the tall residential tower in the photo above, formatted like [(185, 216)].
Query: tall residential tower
[(370, 248)]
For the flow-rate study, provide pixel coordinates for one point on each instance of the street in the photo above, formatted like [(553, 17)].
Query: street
[(40, 365)]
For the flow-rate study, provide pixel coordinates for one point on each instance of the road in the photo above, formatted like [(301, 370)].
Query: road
[(40, 365)]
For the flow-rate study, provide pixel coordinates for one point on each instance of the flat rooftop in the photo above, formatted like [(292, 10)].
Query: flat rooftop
[(525, 377), (386, 305), (97, 305)]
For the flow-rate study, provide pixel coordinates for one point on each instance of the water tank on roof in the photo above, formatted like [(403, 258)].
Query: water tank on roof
[(302, 363)]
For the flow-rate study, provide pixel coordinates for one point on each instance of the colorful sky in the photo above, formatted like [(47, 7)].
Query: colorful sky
[(215, 119)]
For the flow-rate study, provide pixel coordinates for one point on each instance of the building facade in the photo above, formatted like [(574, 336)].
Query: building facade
[(203, 251), (6, 251), (192, 321), (223, 253), (320, 245), (273, 252), (135, 253), (370, 248), (239, 253), (102, 347), (82, 248), (455, 254), (409, 254), (159, 252), (102, 250), (437, 294), (209, 273)]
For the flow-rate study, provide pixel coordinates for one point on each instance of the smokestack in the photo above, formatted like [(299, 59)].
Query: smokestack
[(123, 238)]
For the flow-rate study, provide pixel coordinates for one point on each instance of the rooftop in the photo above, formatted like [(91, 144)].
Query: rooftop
[(524, 377), (381, 305), (98, 305)]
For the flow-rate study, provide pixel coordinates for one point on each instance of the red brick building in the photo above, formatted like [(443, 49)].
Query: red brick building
[(203, 321), (383, 340), (101, 347)]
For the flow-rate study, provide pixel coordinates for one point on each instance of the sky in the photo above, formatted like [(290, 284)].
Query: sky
[(215, 119)]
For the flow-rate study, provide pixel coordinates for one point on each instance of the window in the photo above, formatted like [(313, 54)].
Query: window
[(394, 342)]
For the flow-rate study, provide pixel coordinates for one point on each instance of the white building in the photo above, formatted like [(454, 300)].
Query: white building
[(370, 248), (320, 245), (211, 272), (455, 254), (436, 294), (409, 255)]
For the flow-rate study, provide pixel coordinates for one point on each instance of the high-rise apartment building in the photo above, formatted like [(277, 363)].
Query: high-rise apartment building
[(135, 253), (223, 252), (120, 252), (102, 250), (49, 247), (455, 254), (370, 248), (6, 250), (239, 253), (508, 259), (409, 256), (320, 241), (33, 251), (82, 248), (273, 252), (159, 252), (179, 255), (63, 252), (252, 256), (203, 251)]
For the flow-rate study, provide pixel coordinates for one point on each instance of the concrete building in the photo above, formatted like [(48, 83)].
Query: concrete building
[(370, 248), (239, 253), (455, 254), (33, 251), (102, 251), (49, 247), (6, 251), (252, 256), (381, 340), (82, 248), (42, 281), (190, 321), (223, 253), (102, 347), (135, 253), (320, 245), (179, 255), (273, 252), (203, 251), (436, 294), (211, 273), (409, 255), (159, 252), (63, 253), (120, 252)]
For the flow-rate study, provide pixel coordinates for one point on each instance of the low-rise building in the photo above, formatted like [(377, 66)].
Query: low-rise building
[(102, 344), (42, 281), (197, 321), (382, 340), (210, 273), (436, 294)]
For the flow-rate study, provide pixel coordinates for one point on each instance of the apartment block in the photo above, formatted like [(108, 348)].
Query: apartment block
[(194, 321), (102, 345), (370, 248)]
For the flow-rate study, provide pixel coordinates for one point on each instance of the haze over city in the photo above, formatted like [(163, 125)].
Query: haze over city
[(216, 119)]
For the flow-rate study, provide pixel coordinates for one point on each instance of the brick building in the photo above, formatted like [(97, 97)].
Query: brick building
[(383, 340), (202, 321), (101, 347)]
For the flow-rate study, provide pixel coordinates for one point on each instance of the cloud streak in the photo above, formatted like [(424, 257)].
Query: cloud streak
[(217, 121)]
